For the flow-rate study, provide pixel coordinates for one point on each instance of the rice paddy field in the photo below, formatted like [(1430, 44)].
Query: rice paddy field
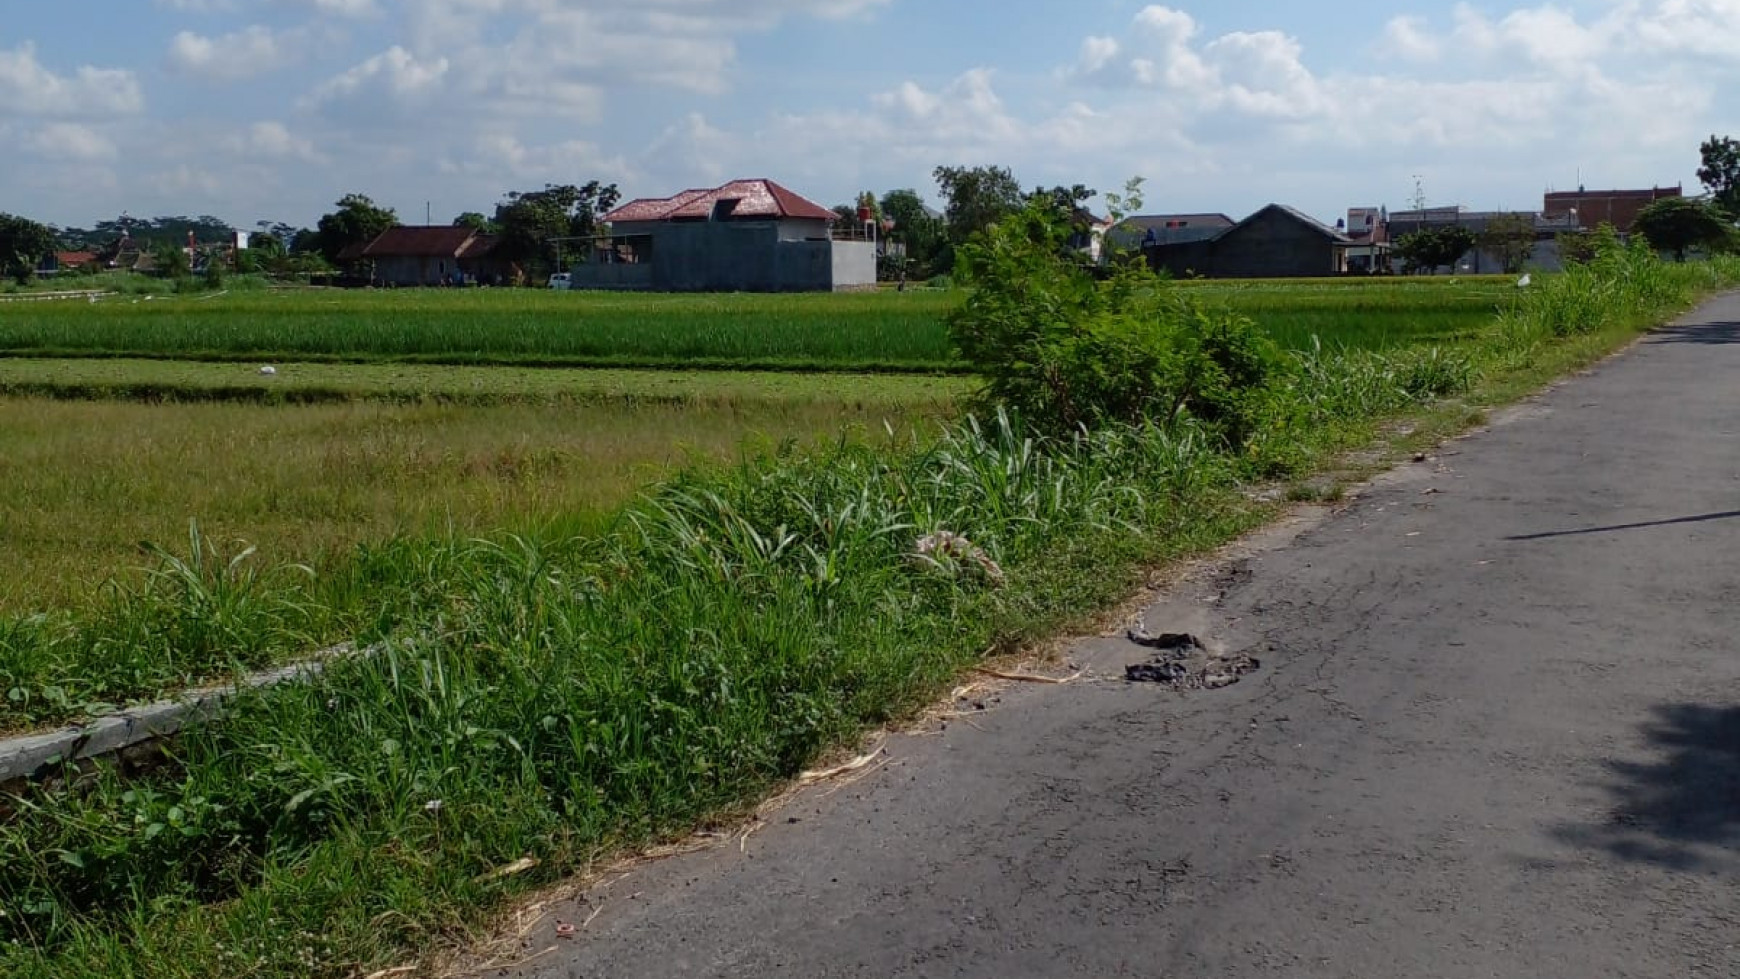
[(587, 630), (393, 413), (882, 331)]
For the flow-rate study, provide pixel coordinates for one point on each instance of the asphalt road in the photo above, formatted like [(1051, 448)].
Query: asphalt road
[(1496, 733)]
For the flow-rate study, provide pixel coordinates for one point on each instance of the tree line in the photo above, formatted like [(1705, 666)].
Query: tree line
[(536, 228), (534, 225)]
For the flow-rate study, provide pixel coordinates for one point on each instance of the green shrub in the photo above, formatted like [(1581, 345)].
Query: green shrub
[(1066, 348)]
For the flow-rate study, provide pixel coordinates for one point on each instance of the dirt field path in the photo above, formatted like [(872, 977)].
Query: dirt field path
[(1496, 732)]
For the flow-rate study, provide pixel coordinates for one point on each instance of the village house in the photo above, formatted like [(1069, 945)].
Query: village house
[(1143, 230), (1275, 242), (424, 255), (57, 263), (1368, 228), (745, 236), (1594, 208)]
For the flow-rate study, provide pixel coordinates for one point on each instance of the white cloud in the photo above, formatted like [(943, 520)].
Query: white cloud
[(1158, 54), (394, 74), (186, 180), (501, 154), (254, 50), (70, 141), (200, 6), (1407, 38), (272, 140), (342, 8), (1554, 38), (695, 147), (460, 100), (29, 88)]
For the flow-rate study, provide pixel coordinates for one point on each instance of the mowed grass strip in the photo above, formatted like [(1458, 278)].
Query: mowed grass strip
[(86, 483), (880, 331), (302, 383)]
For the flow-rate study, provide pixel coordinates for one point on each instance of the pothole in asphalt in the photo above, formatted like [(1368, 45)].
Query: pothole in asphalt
[(1181, 661)]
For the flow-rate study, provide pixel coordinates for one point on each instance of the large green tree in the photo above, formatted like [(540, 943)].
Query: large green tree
[(358, 219), (924, 234), (1677, 224), (531, 222), (23, 245), (475, 220), (1426, 251), (1068, 200), (977, 198), (1510, 238), (1721, 172)]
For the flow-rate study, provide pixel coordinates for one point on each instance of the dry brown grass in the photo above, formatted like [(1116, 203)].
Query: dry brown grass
[(85, 483)]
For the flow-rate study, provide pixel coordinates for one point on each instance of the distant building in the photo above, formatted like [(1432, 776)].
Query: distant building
[(1593, 208), (426, 255), (1275, 242), (746, 236), (56, 263), (1546, 228), (1368, 230), (1143, 230)]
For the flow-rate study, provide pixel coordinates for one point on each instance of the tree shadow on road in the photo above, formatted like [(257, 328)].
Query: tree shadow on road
[(1681, 810), (1710, 333)]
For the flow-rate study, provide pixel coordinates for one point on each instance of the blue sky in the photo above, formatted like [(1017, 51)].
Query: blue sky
[(271, 109)]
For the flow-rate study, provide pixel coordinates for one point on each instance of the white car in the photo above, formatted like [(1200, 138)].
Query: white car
[(561, 280)]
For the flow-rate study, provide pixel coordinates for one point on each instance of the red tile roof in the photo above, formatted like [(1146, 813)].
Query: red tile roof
[(74, 259), (480, 246), (420, 242), (756, 200), (352, 252), (652, 208)]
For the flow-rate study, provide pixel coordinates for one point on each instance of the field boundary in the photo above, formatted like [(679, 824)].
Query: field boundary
[(43, 297), (24, 757)]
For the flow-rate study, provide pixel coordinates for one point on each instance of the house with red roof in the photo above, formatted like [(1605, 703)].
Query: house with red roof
[(744, 236), (434, 255)]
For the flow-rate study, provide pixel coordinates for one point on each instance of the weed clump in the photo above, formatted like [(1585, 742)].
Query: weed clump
[(1065, 347)]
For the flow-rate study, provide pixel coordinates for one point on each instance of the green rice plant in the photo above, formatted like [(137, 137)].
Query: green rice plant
[(873, 331)]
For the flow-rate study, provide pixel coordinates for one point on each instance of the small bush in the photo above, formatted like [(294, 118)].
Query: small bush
[(1066, 349)]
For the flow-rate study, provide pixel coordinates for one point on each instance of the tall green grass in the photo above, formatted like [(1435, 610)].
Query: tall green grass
[(563, 697)]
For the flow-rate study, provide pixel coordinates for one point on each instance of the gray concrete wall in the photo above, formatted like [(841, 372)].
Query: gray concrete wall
[(804, 266), (708, 256), (751, 256), (854, 265), (612, 276), (1183, 260), (401, 271), (795, 229)]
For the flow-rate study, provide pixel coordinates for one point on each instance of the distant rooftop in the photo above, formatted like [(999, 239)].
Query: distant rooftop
[(414, 241), (739, 200)]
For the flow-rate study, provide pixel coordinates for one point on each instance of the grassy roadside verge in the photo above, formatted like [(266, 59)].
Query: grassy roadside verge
[(588, 694)]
